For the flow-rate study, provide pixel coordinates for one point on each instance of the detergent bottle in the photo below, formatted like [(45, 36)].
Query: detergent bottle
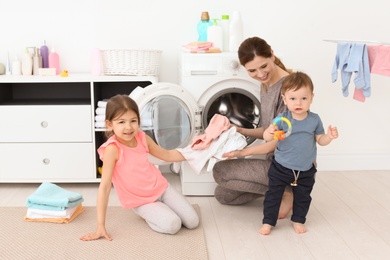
[(235, 32), (214, 34), (203, 24)]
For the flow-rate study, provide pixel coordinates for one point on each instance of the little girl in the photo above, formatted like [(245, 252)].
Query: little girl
[(137, 182)]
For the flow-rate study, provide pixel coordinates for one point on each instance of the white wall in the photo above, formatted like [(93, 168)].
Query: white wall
[(295, 30)]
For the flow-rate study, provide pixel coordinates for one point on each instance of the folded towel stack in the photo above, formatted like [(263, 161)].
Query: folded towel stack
[(101, 114), (51, 203)]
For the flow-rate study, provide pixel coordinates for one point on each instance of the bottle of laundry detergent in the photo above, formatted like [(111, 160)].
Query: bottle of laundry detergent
[(236, 35), (203, 24), (224, 23), (214, 35)]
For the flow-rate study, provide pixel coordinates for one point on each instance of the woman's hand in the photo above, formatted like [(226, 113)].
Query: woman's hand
[(231, 155), (100, 232)]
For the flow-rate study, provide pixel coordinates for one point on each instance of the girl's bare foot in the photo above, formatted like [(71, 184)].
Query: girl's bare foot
[(299, 228), (286, 204), (265, 229)]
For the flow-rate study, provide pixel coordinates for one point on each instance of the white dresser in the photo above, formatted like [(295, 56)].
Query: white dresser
[(47, 130)]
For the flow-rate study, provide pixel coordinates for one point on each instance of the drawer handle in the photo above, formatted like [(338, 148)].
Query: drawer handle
[(46, 161), (44, 124)]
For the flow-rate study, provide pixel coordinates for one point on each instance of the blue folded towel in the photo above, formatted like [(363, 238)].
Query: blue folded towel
[(49, 196)]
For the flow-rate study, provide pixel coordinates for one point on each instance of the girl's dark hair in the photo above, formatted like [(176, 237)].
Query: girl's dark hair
[(255, 46), (117, 106), (295, 81)]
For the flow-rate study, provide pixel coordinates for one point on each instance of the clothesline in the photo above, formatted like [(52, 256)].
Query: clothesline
[(357, 41)]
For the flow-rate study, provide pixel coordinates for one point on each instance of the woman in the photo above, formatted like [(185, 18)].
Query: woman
[(243, 180)]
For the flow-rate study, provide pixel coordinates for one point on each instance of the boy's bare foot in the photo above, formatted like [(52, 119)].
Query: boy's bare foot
[(265, 229), (299, 228), (286, 204)]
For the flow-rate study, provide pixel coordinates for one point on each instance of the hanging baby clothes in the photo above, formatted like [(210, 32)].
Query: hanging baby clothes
[(353, 58), (379, 59)]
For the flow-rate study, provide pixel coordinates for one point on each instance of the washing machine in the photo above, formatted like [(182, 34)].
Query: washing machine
[(173, 114)]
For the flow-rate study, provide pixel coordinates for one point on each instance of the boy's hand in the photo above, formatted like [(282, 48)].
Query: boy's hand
[(332, 132)]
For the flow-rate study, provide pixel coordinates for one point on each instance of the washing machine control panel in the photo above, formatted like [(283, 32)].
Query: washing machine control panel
[(215, 64)]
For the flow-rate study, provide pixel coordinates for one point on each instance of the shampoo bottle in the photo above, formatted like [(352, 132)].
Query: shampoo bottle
[(54, 61), (236, 35), (27, 63), (44, 51), (214, 35), (37, 61), (203, 24)]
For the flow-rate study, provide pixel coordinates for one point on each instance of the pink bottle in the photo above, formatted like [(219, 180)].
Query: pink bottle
[(54, 61), (96, 62)]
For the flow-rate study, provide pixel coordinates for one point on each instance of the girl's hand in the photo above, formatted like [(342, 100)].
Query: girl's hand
[(98, 234), (332, 132)]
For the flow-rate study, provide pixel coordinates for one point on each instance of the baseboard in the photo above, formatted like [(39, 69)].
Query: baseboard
[(353, 162)]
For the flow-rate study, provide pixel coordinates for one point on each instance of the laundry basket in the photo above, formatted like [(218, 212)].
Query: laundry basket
[(131, 62)]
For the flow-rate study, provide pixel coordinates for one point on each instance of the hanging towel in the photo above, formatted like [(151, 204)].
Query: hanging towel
[(217, 125), (52, 197), (228, 141), (379, 59), (352, 58)]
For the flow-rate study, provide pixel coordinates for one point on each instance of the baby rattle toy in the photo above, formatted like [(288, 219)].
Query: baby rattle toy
[(280, 134)]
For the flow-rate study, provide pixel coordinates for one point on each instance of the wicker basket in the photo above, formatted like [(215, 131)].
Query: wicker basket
[(131, 62)]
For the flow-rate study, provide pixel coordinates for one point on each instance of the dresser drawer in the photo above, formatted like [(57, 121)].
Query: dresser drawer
[(62, 123), (47, 161)]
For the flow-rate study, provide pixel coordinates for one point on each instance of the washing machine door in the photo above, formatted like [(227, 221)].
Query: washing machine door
[(237, 99), (168, 114)]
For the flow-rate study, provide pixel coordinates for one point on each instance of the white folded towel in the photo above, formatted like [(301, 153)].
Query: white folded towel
[(100, 124), (100, 118), (102, 103), (42, 213), (100, 111)]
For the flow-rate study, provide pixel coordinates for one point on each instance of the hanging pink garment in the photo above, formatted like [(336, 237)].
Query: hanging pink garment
[(379, 59), (218, 124)]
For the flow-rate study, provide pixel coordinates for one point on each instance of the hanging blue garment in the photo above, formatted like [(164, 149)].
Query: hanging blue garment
[(352, 58)]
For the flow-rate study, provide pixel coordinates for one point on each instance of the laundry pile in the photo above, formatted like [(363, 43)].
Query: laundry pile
[(51, 203), (100, 116), (219, 138)]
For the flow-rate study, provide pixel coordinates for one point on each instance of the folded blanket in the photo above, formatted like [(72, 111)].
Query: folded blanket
[(43, 213), (52, 197), (77, 212)]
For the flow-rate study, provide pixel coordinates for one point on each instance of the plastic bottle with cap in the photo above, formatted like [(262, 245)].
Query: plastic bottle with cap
[(236, 35), (203, 24), (214, 35), (54, 61), (37, 61), (44, 51), (27, 63), (224, 23)]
